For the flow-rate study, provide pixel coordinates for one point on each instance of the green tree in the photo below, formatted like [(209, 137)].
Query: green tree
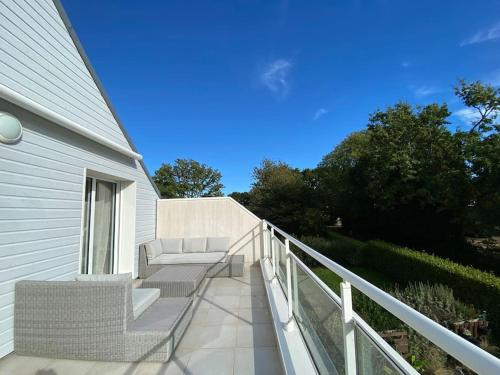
[(284, 196), (403, 178), (241, 197), (485, 100), (482, 151), (187, 178), (343, 179)]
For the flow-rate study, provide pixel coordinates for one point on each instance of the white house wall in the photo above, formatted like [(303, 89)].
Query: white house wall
[(212, 217), (42, 176)]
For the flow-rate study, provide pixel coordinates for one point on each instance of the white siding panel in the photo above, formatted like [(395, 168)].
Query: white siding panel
[(7, 189), (42, 176), (21, 69), (6, 312), (37, 224), (25, 247), (36, 256), (35, 235), (6, 324)]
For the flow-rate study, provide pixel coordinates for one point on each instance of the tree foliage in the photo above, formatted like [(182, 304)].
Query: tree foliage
[(482, 152), (285, 196), (484, 100), (407, 178), (187, 178), (403, 177), (241, 197)]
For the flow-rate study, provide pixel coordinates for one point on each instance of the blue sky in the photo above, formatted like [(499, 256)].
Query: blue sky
[(229, 83)]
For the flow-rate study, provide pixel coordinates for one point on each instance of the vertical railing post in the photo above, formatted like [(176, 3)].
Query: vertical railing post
[(295, 291), (264, 239), (348, 329), (273, 253), (290, 323)]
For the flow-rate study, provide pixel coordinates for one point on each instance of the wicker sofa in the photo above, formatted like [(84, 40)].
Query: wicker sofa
[(94, 320), (212, 252)]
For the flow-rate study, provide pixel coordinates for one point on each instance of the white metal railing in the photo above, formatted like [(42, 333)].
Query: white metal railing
[(467, 353)]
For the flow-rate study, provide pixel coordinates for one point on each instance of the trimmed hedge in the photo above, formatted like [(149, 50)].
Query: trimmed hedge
[(469, 284), (403, 265), (339, 248)]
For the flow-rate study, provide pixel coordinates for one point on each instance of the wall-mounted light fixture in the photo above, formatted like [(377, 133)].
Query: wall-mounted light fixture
[(11, 129)]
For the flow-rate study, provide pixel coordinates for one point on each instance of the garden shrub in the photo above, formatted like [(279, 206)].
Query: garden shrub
[(470, 285), (435, 301), (438, 303)]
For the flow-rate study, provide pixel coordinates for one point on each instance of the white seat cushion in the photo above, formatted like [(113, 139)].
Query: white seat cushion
[(171, 245), (217, 244), (194, 245), (190, 258), (142, 298)]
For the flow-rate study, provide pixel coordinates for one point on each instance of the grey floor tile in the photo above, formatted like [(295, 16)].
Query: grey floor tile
[(255, 335), (204, 303), (209, 337), (221, 317), (112, 368), (251, 302), (66, 366), (199, 315), (211, 362), (256, 315), (253, 290), (177, 365), (22, 365), (257, 361), (228, 291), (225, 302)]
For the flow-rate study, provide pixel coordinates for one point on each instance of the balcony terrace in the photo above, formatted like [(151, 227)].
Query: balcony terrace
[(279, 317), (231, 333)]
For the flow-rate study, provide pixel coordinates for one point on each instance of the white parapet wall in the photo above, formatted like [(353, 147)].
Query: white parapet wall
[(212, 217)]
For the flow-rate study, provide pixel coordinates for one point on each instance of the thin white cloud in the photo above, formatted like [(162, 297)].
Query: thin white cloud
[(423, 91), (405, 64), (275, 77), (319, 113), (467, 115), (483, 35)]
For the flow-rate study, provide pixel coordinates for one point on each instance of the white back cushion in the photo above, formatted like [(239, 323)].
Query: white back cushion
[(171, 245), (217, 244), (113, 277), (194, 245), (153, 249)]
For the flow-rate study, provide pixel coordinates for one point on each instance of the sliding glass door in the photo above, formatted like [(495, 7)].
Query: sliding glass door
[(98, 250)]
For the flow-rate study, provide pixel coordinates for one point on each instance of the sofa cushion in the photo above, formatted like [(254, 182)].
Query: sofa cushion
[(217, 244), (142, 298), (153, 249), (190, 258), (171, 245), (106, 277), (164, 315), (194, 245)]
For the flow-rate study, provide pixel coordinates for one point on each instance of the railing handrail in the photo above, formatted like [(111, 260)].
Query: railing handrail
[(469, 354)]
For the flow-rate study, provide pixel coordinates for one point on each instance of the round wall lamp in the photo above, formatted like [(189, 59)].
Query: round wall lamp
[(11, 129)]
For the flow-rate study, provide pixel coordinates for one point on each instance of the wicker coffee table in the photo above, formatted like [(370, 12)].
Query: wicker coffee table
[(176, 280)]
